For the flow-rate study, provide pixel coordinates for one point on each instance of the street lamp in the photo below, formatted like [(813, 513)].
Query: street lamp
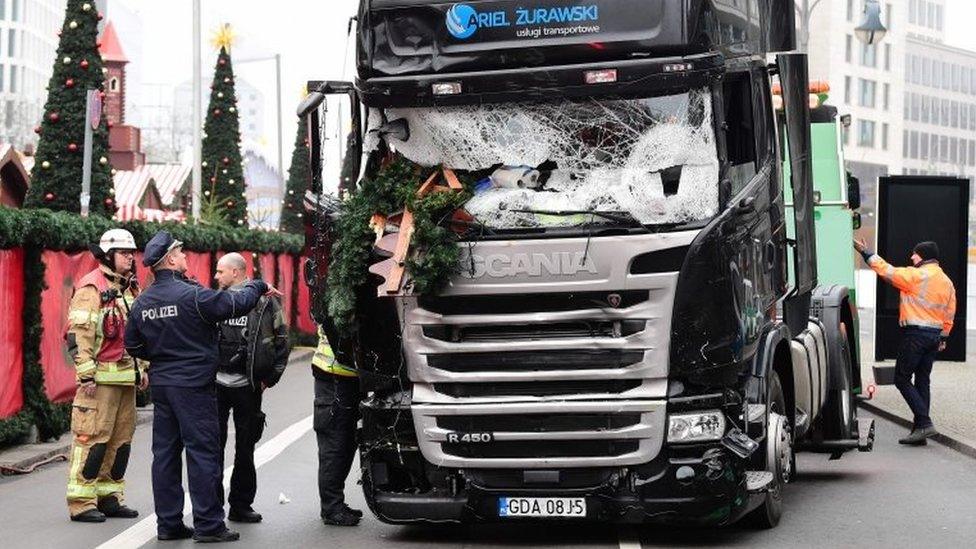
[(871, 30)]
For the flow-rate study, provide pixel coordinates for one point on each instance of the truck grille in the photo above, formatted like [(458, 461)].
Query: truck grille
[(538, 435), (564, 368)]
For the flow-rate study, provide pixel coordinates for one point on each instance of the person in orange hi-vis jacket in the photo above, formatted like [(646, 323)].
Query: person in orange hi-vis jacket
[(928, 305)]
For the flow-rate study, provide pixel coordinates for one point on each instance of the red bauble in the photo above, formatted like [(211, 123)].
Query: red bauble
[(101, 94), (109, 202), (83, 64), (217, 112), (221, 61), (230, 203), (72, 147), (49, 196), (110, 124), (37, 130), (54, 117), (69, 83), (100, 16), (213, 179), (59, 34), (226, 160)]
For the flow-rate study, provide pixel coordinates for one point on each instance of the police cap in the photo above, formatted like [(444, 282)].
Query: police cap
[(157, 248)]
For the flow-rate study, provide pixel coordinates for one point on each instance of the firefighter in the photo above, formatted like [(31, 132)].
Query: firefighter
[(336, 412), (174, 326), (104, 410), (926, 312)]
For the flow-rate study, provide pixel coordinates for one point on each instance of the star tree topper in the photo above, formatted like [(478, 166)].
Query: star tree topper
[(223, 37)]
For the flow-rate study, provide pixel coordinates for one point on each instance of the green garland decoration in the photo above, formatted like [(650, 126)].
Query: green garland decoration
[(38, 230), (437, 254)]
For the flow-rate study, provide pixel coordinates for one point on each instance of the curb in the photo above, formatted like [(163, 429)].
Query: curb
[(28, 463), (952, 441)]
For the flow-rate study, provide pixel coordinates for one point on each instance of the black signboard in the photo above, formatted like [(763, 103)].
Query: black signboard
[(912, 209)]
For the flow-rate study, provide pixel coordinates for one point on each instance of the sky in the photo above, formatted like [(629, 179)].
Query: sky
[(311, 37)]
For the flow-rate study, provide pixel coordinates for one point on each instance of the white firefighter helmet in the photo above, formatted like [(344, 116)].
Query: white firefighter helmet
[(117, 239)]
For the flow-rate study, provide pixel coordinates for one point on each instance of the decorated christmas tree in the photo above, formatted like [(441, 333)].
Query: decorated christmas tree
[(57, 175), (223, 171), (292, 208)]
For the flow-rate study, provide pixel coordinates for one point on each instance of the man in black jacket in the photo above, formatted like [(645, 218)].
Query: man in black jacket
[(174, 326), (253, 355)]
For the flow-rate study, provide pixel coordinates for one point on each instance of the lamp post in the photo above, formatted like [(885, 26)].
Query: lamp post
[(871, 30), (197, 115)]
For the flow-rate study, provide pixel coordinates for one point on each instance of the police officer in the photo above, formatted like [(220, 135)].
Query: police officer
[(174, 325), (104, 411), (335, 414), (253, 356), (925, 313)]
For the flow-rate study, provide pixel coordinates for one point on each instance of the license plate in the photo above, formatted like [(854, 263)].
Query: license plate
[(541, 507)]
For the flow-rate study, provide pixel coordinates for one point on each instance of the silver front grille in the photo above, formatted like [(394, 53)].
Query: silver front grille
[(531, 332)]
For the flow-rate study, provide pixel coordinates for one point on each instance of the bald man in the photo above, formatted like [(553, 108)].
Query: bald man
[(253, 355)]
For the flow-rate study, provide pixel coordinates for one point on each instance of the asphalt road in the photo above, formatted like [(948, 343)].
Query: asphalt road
[(893, 497)]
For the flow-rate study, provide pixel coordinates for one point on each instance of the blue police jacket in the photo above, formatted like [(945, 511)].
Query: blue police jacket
[(173, 324)]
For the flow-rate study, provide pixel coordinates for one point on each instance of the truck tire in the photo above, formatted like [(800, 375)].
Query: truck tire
[(779, 457), (840, 409)]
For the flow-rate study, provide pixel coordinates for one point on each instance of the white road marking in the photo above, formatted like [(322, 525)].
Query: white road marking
[(629, 539), (145, 530)]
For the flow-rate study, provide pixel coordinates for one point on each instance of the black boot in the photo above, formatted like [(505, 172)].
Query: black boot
[(244, 515), (341, 516), (111, 507), (219, 537), (181, 533), (350, 510), (91, 515)]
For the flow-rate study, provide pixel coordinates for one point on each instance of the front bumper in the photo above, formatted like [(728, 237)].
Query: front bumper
[(711, 491)]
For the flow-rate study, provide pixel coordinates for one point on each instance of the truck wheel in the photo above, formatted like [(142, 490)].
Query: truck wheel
[(840, 410), (779, 457)]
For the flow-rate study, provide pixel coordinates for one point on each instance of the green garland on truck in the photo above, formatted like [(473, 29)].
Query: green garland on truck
[(39, 230), (435, 257)]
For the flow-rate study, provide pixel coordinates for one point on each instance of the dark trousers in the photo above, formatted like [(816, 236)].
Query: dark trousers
[(186, 418), (245, 403), (334, 420), (915, 358)]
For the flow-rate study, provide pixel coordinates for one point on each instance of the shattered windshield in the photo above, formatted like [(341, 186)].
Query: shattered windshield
[(654, 158)]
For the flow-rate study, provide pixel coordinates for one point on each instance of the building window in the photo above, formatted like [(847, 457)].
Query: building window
[(946, 76), (885, 96), (865, 133), (955, 78), (113, 84), (953, 150), (3, 10), (954, 112), (936, 74), (869, 55), (912, 8), (12, 43), (848, 48), (964, 80), (972, 152), (847, 90), (913, 145), (923, 146), (889, 20), (887, 57), (938, 18), (884, 136), (850, 10), (15, 10), (868, 92), (943, 148)]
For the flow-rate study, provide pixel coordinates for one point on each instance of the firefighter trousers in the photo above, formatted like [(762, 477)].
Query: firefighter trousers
[(102, 428)]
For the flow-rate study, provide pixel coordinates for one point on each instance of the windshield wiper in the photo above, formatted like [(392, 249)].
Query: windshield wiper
[(620, 217)]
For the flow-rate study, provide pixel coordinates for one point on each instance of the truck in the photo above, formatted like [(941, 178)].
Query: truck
[(639, 328)]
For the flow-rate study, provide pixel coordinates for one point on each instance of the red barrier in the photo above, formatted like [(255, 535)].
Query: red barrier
[(62, 271), (11, 331), (266, 263), (286, 281), (303, 317), (198, 267)]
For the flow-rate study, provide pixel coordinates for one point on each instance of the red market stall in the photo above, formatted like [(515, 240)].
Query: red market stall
[(11, 331)]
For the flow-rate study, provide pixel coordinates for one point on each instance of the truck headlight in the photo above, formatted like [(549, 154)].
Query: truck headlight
[(696, 427)]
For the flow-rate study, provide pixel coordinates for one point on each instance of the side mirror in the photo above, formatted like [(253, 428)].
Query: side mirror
[(335, 134), (853, 192)]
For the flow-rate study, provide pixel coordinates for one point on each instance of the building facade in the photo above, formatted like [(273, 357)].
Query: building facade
[(28, 44)]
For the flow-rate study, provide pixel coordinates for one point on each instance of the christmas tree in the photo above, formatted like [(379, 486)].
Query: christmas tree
[(293, 208), (222, 162), (56, 178)]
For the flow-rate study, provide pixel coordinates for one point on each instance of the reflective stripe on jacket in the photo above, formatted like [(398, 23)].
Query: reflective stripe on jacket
[(928, 297), (325, 359), (96, 325)]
